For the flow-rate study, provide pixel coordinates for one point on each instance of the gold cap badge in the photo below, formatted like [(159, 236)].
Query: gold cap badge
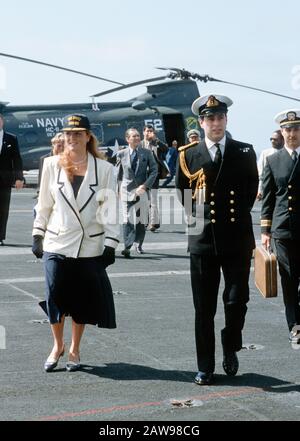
[(212, 101), (291, 116)]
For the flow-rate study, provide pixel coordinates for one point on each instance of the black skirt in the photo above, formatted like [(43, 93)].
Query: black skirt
[(79, 288)]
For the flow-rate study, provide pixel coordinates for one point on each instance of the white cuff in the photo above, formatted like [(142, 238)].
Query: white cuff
[(110, 242), (38, 232)]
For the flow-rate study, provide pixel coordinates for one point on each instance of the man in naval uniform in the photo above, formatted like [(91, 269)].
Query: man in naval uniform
[(222, 173), (11, 173), (193, 135), (280, 214)]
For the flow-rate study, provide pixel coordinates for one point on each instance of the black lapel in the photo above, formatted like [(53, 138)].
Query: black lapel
[(69, 196), (94, 184), (202, 150)]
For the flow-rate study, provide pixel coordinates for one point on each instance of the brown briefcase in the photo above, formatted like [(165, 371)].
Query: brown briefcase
[(265, 272)]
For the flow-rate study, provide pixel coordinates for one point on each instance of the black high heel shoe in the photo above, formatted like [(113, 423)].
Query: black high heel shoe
[(50, 365)]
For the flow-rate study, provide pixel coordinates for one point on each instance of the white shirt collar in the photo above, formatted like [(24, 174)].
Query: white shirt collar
[(131, 150), (211, 145), (290, 151)]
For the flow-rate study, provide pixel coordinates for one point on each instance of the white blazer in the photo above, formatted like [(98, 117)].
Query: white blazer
[(78, 227)]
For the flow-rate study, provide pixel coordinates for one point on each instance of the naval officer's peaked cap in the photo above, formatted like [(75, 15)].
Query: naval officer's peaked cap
[(193, 132), (288, 118), (210, 104)]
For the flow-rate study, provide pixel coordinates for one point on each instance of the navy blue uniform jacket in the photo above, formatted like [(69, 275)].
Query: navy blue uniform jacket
[(229, 197), (10, 161), (280, 213)]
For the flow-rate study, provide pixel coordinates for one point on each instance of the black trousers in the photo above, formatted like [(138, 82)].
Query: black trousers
[(205, 278), (4, 210), (288, 256)]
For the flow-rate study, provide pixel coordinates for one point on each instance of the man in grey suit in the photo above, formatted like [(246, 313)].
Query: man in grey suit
[(137, 171)]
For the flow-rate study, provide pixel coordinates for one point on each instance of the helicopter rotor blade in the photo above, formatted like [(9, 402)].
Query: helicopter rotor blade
[(59, 67), (126, 86), (208, 78), (179, 73), (205, 78), (170, 68)]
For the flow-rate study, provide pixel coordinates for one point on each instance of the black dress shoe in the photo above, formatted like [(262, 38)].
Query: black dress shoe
[(230, 363), (126, 253), (204, 378), (1, 243)]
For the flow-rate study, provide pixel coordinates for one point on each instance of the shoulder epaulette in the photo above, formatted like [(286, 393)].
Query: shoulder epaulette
[(184, 147), (198, 176)]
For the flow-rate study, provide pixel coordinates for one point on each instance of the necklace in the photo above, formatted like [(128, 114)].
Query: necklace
[(78, 164)]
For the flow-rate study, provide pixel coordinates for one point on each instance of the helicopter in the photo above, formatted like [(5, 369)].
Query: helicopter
[(166, 106)]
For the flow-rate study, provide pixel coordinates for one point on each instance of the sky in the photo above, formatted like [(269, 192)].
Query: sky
[(254, 43)]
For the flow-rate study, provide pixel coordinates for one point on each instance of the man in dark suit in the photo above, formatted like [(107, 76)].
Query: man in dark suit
[(136, 174), (280, 214), (218, 180), (10, 174)]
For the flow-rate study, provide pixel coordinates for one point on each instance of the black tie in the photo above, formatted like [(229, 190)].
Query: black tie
[(134, 159), (294, 156), (218, 155)]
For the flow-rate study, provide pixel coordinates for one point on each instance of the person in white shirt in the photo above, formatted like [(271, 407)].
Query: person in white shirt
[(277, 142)]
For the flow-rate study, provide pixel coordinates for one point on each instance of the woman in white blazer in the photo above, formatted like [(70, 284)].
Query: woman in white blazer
[(76, 230)]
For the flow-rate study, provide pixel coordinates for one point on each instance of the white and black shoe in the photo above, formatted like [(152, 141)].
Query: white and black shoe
[(294, 335), (138, 248)]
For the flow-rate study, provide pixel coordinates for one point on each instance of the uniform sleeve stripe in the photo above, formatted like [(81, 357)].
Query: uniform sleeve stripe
[(265, 223), (38, 228), (112, 238)]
